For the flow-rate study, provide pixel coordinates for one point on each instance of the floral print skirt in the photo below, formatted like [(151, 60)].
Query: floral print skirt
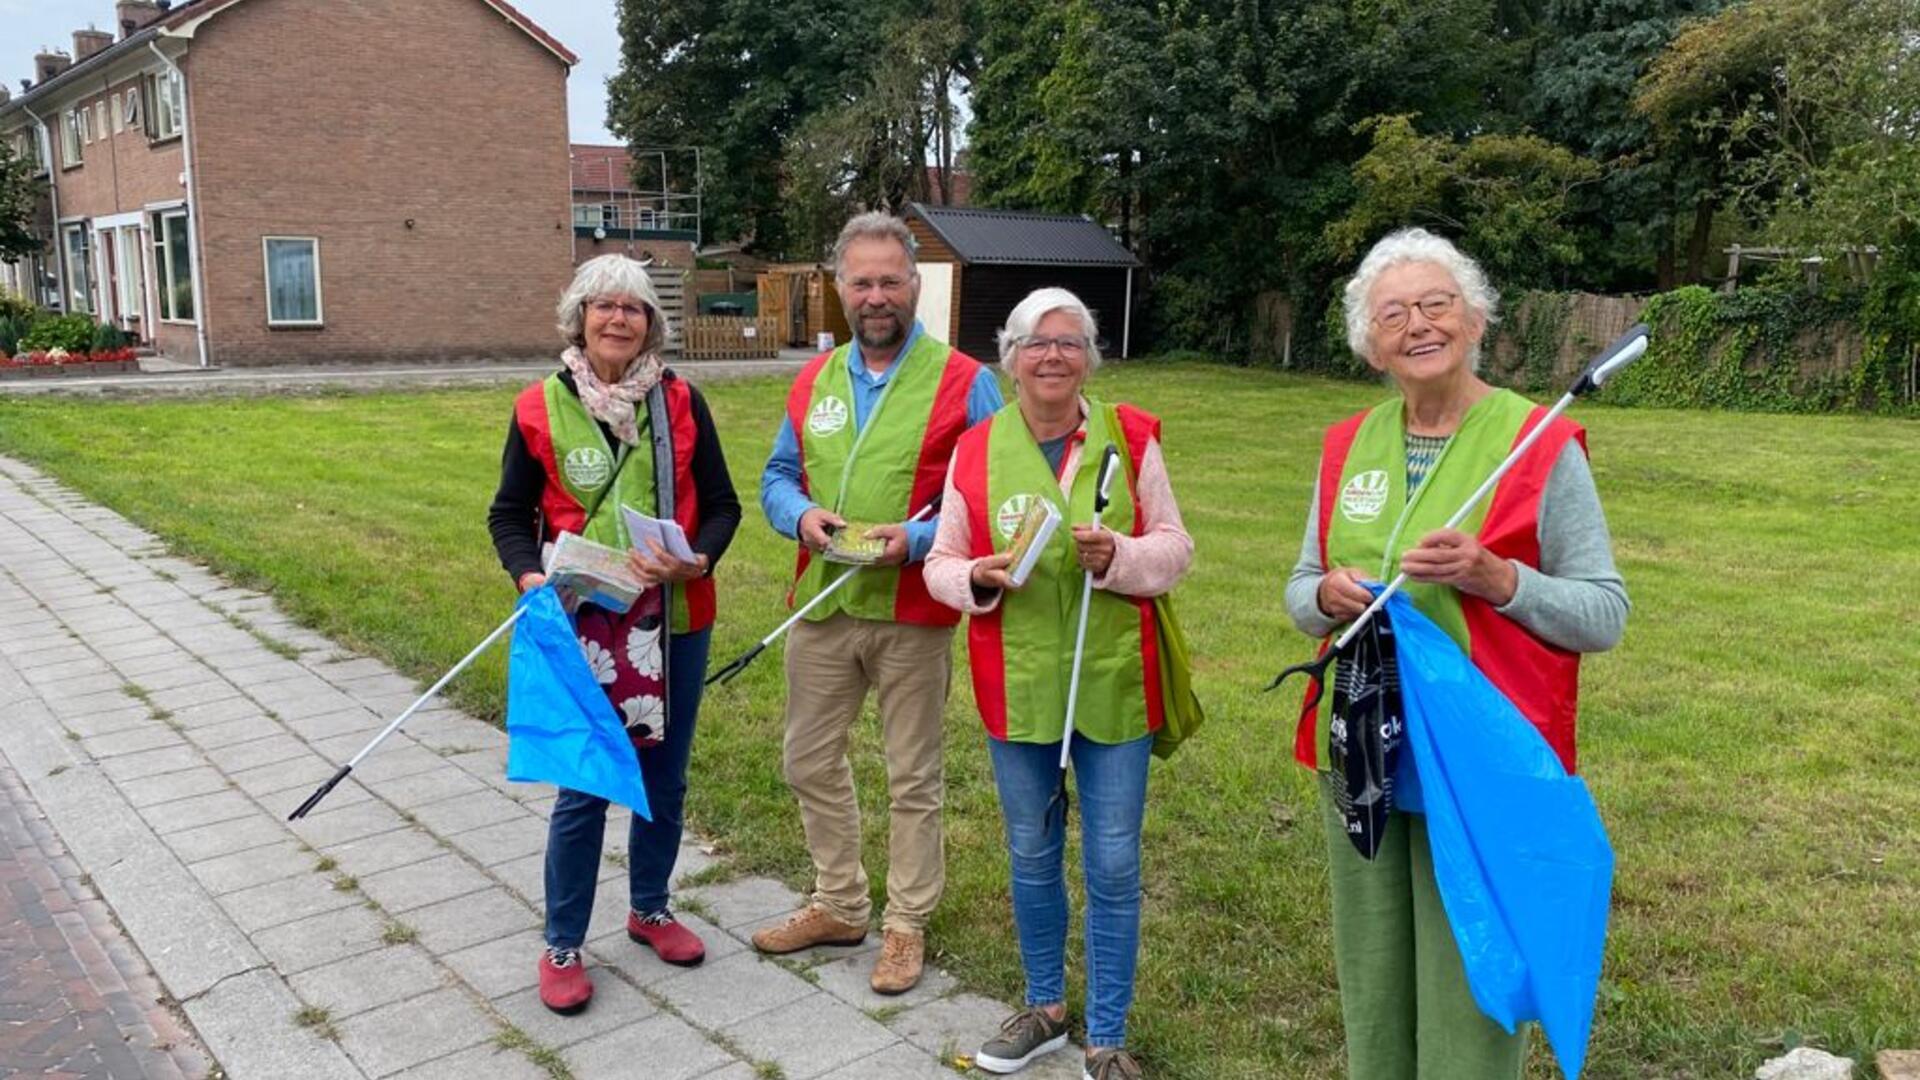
[(624, 653)]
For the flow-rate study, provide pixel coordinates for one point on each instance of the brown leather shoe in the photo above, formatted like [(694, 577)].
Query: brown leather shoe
[(902, 955), (810, 926)]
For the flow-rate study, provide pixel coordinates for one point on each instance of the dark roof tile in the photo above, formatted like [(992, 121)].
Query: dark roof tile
[(1018, 237)]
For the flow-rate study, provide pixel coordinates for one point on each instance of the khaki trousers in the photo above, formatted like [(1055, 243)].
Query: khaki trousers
[(830, 666)]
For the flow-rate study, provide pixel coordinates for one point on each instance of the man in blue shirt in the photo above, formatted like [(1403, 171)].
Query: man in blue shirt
[(868, 433)]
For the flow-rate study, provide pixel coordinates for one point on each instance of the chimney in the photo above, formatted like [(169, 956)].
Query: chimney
[(89, 41), (134, 14), (48, 63)]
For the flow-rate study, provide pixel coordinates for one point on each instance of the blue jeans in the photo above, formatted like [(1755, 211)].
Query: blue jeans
[(579, 821), (1112, 782)]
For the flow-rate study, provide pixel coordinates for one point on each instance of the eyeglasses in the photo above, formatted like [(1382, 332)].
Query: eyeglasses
[(1435, 306), (1071, 346), (606, 308), (889, 285)]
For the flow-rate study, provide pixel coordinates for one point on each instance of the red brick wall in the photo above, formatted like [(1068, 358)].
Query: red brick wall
[(347, 121), (123, 173)]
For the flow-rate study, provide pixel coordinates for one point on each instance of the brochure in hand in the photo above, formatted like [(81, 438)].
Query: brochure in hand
[(663, 531), (594, 572), (1038, 523), (850, 544)]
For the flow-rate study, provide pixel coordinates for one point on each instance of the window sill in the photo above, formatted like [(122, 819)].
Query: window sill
[(296, 326), (75, 165), (175, 137), (179, 322)]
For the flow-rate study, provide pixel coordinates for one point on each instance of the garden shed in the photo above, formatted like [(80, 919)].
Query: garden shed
[(975, 265), (800, 299)]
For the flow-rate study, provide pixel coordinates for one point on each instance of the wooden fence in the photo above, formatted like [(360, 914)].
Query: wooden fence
[(730, 337), (1544, 339)]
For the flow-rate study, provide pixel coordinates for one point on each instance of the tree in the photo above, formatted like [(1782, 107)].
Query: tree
[(736, 78), (20, 194), (1217, 134), (1812, 108), (1591, 54), (870, 150), (1507, 198)]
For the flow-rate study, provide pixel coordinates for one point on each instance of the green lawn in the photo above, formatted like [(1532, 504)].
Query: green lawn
[(1752, 744)]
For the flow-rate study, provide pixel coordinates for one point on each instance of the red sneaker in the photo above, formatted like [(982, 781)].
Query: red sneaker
[(661, 932), (564, 986)]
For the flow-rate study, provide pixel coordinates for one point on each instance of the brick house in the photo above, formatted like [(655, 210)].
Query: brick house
[(613, 214), (276, 181)]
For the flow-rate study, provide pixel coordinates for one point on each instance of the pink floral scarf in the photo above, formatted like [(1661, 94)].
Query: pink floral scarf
[(613, 403)]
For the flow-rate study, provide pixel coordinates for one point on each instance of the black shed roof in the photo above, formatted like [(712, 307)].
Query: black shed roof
[(1021, 238)]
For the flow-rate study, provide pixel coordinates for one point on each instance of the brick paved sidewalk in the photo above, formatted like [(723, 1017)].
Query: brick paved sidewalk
[(166, 723), (77, 1000)]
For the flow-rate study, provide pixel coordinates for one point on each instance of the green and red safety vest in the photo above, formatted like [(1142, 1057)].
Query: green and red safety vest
[(1367, 520), (881, 473), (588, 480), (1021, 652)]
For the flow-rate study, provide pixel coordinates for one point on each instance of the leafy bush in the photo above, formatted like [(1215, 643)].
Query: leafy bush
[(107, 338), (12, 329), (73, 333), (15, 306)]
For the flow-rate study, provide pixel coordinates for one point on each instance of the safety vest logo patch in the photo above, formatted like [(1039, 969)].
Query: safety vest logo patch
[(1007, 518), (587, 467), (1364, 496), (828, 416)]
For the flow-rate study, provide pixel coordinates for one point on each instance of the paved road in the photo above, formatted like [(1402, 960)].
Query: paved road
[(78, 999)]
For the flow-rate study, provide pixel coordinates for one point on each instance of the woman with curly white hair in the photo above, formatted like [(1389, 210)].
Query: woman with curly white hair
[(615, 426), (1524, 586), (1048, 445)]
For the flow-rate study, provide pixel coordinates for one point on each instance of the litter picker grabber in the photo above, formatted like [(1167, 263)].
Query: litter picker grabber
[(1624, 350), (739, 663), (1101, 495), (332, 782)]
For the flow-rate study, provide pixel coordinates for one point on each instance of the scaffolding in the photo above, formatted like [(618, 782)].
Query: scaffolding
[(626, 191)]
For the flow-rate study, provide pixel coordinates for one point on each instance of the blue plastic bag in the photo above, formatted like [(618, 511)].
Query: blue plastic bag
[(1520, 855), (561, 729)]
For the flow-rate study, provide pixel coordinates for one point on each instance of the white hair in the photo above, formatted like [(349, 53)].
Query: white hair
[(1417, 245), (1040, 303), (608, 277), (872, 225)]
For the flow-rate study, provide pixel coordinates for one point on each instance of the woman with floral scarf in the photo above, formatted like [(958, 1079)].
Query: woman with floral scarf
[(583, 442)]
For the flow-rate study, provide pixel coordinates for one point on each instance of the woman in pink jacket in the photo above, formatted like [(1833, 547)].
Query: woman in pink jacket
[(1020, 644)]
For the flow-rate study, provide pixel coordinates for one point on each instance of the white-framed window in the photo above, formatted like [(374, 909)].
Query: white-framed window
[(293, 280), (119, 110), (100, 120), (166, 104), (172, 265), (26, 147), (85, 121), (77, 245), (71, 136), (131, 106), (610, 215), (586, 215)]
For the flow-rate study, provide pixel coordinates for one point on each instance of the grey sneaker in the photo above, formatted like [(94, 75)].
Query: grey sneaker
[(1024, 1036), (1112, 1063)]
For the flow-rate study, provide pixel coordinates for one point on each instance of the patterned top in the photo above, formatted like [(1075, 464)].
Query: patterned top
[(1422, 452)]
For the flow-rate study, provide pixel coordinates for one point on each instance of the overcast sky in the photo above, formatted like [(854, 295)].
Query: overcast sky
[(584, 26)]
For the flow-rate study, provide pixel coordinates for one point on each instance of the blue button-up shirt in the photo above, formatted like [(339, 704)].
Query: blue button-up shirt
[(781, 497)]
